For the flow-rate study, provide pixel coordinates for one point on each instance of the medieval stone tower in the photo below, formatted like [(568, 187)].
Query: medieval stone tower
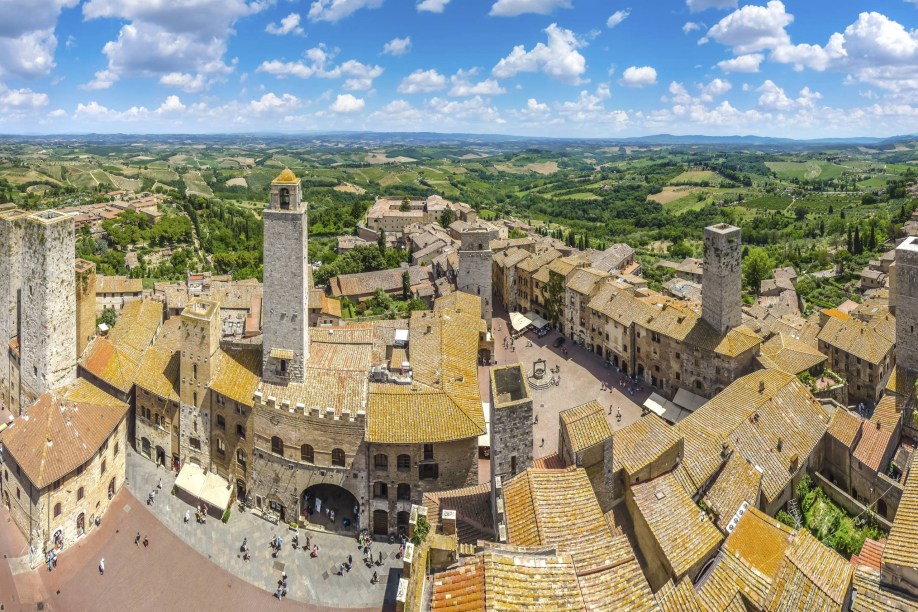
[(475, 267), (286, 283), (722, 279), (511, 431), (85, 272), (906, 289), (201, 331), (47, 336), (11, 224)]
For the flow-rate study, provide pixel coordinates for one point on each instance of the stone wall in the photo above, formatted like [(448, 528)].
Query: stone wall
[(85, 280), (164, 435), (11, 227), (475, 264), (722, 279), (907, 304), (48, 334)]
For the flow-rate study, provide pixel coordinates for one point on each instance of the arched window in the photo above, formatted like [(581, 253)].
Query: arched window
[(240, 457), (380, 490), (284, 198), (381, 462), (404, 491), (307, 454), (277, 446), (403, 463), (57, 509), (79, 493), (338, 457), (221, 447)]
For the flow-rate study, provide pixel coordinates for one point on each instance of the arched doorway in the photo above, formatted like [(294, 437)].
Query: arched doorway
[(331, 506), (161, 456), (279, 509), (380, 522), (401, 521), (240, 490), (111, 488), (881, 507), (81, 524), (145, 447)]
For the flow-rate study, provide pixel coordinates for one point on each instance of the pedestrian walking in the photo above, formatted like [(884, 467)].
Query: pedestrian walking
[(102, 567), (146, 541), (160, 484), (375, 578), (543, 443), (187, 516), (137, 539)]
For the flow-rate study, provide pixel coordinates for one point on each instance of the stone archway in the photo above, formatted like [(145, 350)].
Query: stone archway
[(380, 522), (331, 506)]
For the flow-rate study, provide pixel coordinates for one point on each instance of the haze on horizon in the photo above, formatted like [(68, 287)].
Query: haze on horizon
[(553, 68)]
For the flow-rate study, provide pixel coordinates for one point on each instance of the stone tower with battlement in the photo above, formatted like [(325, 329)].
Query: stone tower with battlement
[(286, 283), (475, 258), (47, 336), (511, 431), (201, 331), (906, 300), (722, 277)]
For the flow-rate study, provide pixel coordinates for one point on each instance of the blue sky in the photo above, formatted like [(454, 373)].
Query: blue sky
[(799, 68)]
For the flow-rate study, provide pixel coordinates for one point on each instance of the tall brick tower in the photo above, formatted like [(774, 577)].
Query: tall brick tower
[(47, 336), (906, 289), (722, 279), (475, 267), (286, 283)]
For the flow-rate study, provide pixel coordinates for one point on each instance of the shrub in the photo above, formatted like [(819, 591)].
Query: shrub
[(420, 530), (786, 518), (226, 515)]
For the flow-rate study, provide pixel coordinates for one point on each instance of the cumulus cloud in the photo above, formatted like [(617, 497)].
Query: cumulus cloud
[(422, 81), (27, 41), (159, 40), (358, 76), (184, 81), (462, 85), (691, 26), (559, 58), (702, 5), (512, 8), (432, 6), (774, 98), (743, 63), (753, 28), (397, 46), (715, 89), (638, 76), (288, 25), (21, 101), (272, 103), (617, 17), (347, 103), (335, 10)]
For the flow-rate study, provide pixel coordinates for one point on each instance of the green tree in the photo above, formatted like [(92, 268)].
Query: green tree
[(381, 241), (554, 297), (406, 285), (109, 317), (757, 267), (447, 217)]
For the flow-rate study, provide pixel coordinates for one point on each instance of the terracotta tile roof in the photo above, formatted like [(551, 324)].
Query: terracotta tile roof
[(61, 431), (900, 546), (461, 588), (115, 358), (363, 283), (564, 265), (681, 529), (748, 562), (612, 579), (159, 367), (586, 425), (678, 598), (888, 411), (845, 427), (512, 257), (535, 262), (640, 443), (517, 581), (871, 341), (118, 284), (811, 577), (785, 410), (237, 374), (549, 462), (622, 307), (871, 554), (474, 520), (738, 482), (584, 280), (901, 382), (443, 402), (875, 443), (870, 595), (678, 321), (792, 355)]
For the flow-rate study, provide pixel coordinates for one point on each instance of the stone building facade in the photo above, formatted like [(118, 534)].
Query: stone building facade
[(475, 267), (722, 280), (286, 283), (47, 336), (85, 280)]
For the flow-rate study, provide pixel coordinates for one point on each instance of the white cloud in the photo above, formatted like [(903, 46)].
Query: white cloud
[(346, 103), (715, 89), (27, 41), (170, 106), (358, 76), (753, 28), (743, 63), (773, 97), (57, 113), (559, 58), (335, 10), (638, 76), (702, 5), (617, 17), (159, 40), (21, 101), (288, 25), (397, 46), (808, 97), (462, 85), (535, 106), (691, 26), (271, 103), (184, 81), (422, 81), (588, 108), (432, 6), (512, 8)]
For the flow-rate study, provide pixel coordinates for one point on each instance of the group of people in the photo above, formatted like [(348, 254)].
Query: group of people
[(276, 544), (146, 540), (281, 591)]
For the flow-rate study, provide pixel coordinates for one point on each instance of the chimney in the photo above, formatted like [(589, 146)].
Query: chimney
[(780, 444), (761, 386), (448, 522)]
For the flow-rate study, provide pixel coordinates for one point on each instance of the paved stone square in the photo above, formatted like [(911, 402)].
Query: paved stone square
[(581, 381)]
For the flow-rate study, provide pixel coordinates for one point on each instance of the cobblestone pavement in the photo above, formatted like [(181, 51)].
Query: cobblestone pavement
[(312, 580), (582, 376)]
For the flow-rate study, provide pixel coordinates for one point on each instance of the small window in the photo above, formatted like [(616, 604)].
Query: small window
[(103, 466), (57, 509), (283, 366), (240, 457), (380, 490), (240, 430), (116, 449), (221, 447), (428, 452), (277, 446), (338, 457), (403, 463), (307, 453), (17, 493), (404, 492), (381, 462), (57, 485), (221, 421), (80, 493), (195, 443), (194, 371)]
